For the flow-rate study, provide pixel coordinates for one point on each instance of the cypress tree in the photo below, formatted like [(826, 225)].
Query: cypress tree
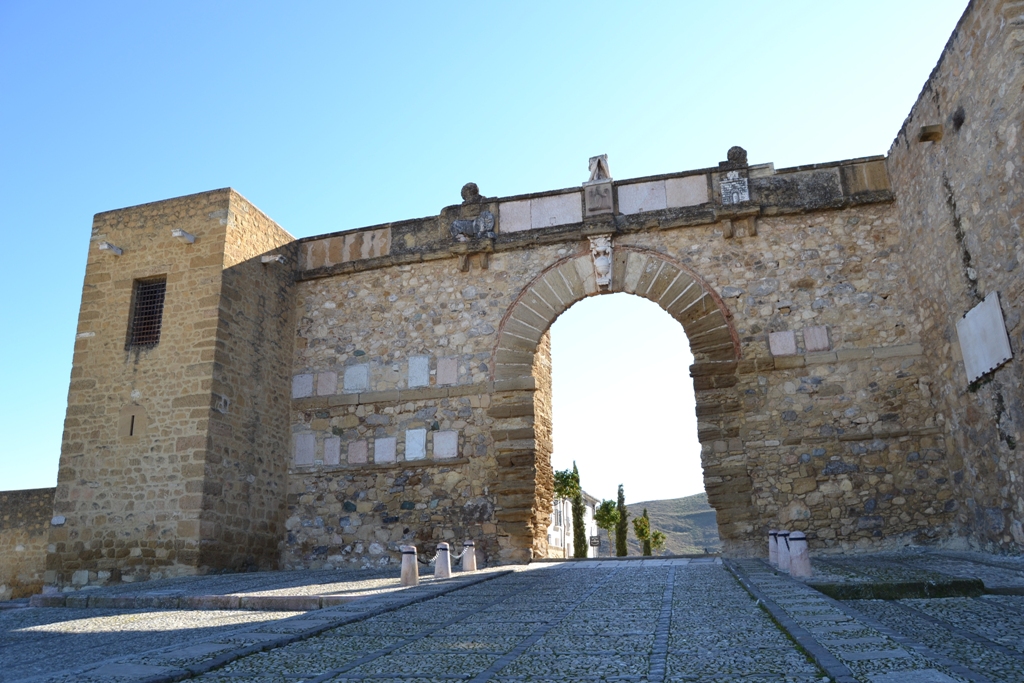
[(621, 526), (579, 526)]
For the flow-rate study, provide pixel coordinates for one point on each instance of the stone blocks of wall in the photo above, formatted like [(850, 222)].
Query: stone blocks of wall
[(24, 525), (830, 283), (959, 194), (199, 483)]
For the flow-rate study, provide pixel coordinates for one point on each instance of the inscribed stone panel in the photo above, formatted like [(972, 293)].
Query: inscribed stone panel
[(514, 216), (332, 450), (782, 343), (326, 383), (305, 445), (447, 371), (689, 191), (357, 378), (816, 338), (446, 444), (357, 451), (642, 197), (982, 336), (419, 371), (559, 209), (384, 449), (302, 386), (415, 444)]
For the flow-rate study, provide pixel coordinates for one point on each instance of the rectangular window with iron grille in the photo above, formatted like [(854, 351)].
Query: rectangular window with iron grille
[(147, 313)]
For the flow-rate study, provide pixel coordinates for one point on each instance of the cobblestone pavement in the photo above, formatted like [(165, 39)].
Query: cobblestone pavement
[(635, 620), (36, 642), (115, 646), (288, 591), (998, 574), (668, 620), (976, 639)]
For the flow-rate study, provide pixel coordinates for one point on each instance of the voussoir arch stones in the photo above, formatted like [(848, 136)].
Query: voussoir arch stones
[(679, 291), (713, 341)]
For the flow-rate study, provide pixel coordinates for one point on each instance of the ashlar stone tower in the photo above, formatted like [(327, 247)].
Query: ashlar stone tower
[(176, 438)]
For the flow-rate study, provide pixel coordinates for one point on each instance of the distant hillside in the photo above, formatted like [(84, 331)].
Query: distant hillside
[(688, 523)]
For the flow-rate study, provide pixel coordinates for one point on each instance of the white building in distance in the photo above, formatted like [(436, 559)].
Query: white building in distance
[(560, 531)]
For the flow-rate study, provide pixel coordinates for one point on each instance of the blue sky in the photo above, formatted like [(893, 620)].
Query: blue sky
[(331, 116)]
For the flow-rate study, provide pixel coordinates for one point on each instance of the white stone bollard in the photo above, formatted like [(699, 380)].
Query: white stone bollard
[(773, 548), (410, 567), (443, 562), (799, 560), (783, 537), (468, 556)]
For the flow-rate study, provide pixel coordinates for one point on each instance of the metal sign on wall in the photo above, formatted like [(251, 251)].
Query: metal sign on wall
[(984, 343)]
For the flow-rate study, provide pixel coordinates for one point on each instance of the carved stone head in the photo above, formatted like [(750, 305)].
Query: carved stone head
[(470, 193)]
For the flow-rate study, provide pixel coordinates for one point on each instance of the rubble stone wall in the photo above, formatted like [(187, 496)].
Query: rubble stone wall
[(829, 436), (24, 525), (960, 203)]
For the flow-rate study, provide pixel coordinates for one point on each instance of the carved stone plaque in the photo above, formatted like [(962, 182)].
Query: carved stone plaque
[(983, 340), (597, 197), (597, 192), (734, 188)]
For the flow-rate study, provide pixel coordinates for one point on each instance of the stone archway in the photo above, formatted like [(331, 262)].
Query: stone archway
[(522, 354)]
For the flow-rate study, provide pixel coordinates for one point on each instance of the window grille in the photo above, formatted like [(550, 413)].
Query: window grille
[(147, 313)]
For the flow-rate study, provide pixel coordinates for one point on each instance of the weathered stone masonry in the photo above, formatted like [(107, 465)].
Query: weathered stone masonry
[(391, 384), (24, 528)]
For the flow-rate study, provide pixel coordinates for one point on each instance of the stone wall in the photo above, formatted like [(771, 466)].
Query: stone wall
[(24, 524), (827, 433), (391, 384), (244, 488), (960, 201), (171, 457)]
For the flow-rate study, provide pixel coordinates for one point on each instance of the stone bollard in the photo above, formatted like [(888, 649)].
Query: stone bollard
[(799, 560), (773, 548), (468, 556), (443, 562), (410, 567), (783, 537)]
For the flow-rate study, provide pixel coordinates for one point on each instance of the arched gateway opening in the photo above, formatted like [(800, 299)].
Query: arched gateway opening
[(523, 353), (623, 413)]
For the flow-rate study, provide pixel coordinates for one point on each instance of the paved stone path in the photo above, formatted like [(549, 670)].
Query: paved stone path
[(635, 620), (115, 646), (644, 621), (936, 640)]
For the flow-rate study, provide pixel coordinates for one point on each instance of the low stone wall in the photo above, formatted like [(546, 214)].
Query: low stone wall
[(24, 523)]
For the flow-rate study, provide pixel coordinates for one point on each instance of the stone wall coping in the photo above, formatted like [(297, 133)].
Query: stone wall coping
[(187, 197), (699, 215), (706, 213), (829, 164), (368, 228)]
